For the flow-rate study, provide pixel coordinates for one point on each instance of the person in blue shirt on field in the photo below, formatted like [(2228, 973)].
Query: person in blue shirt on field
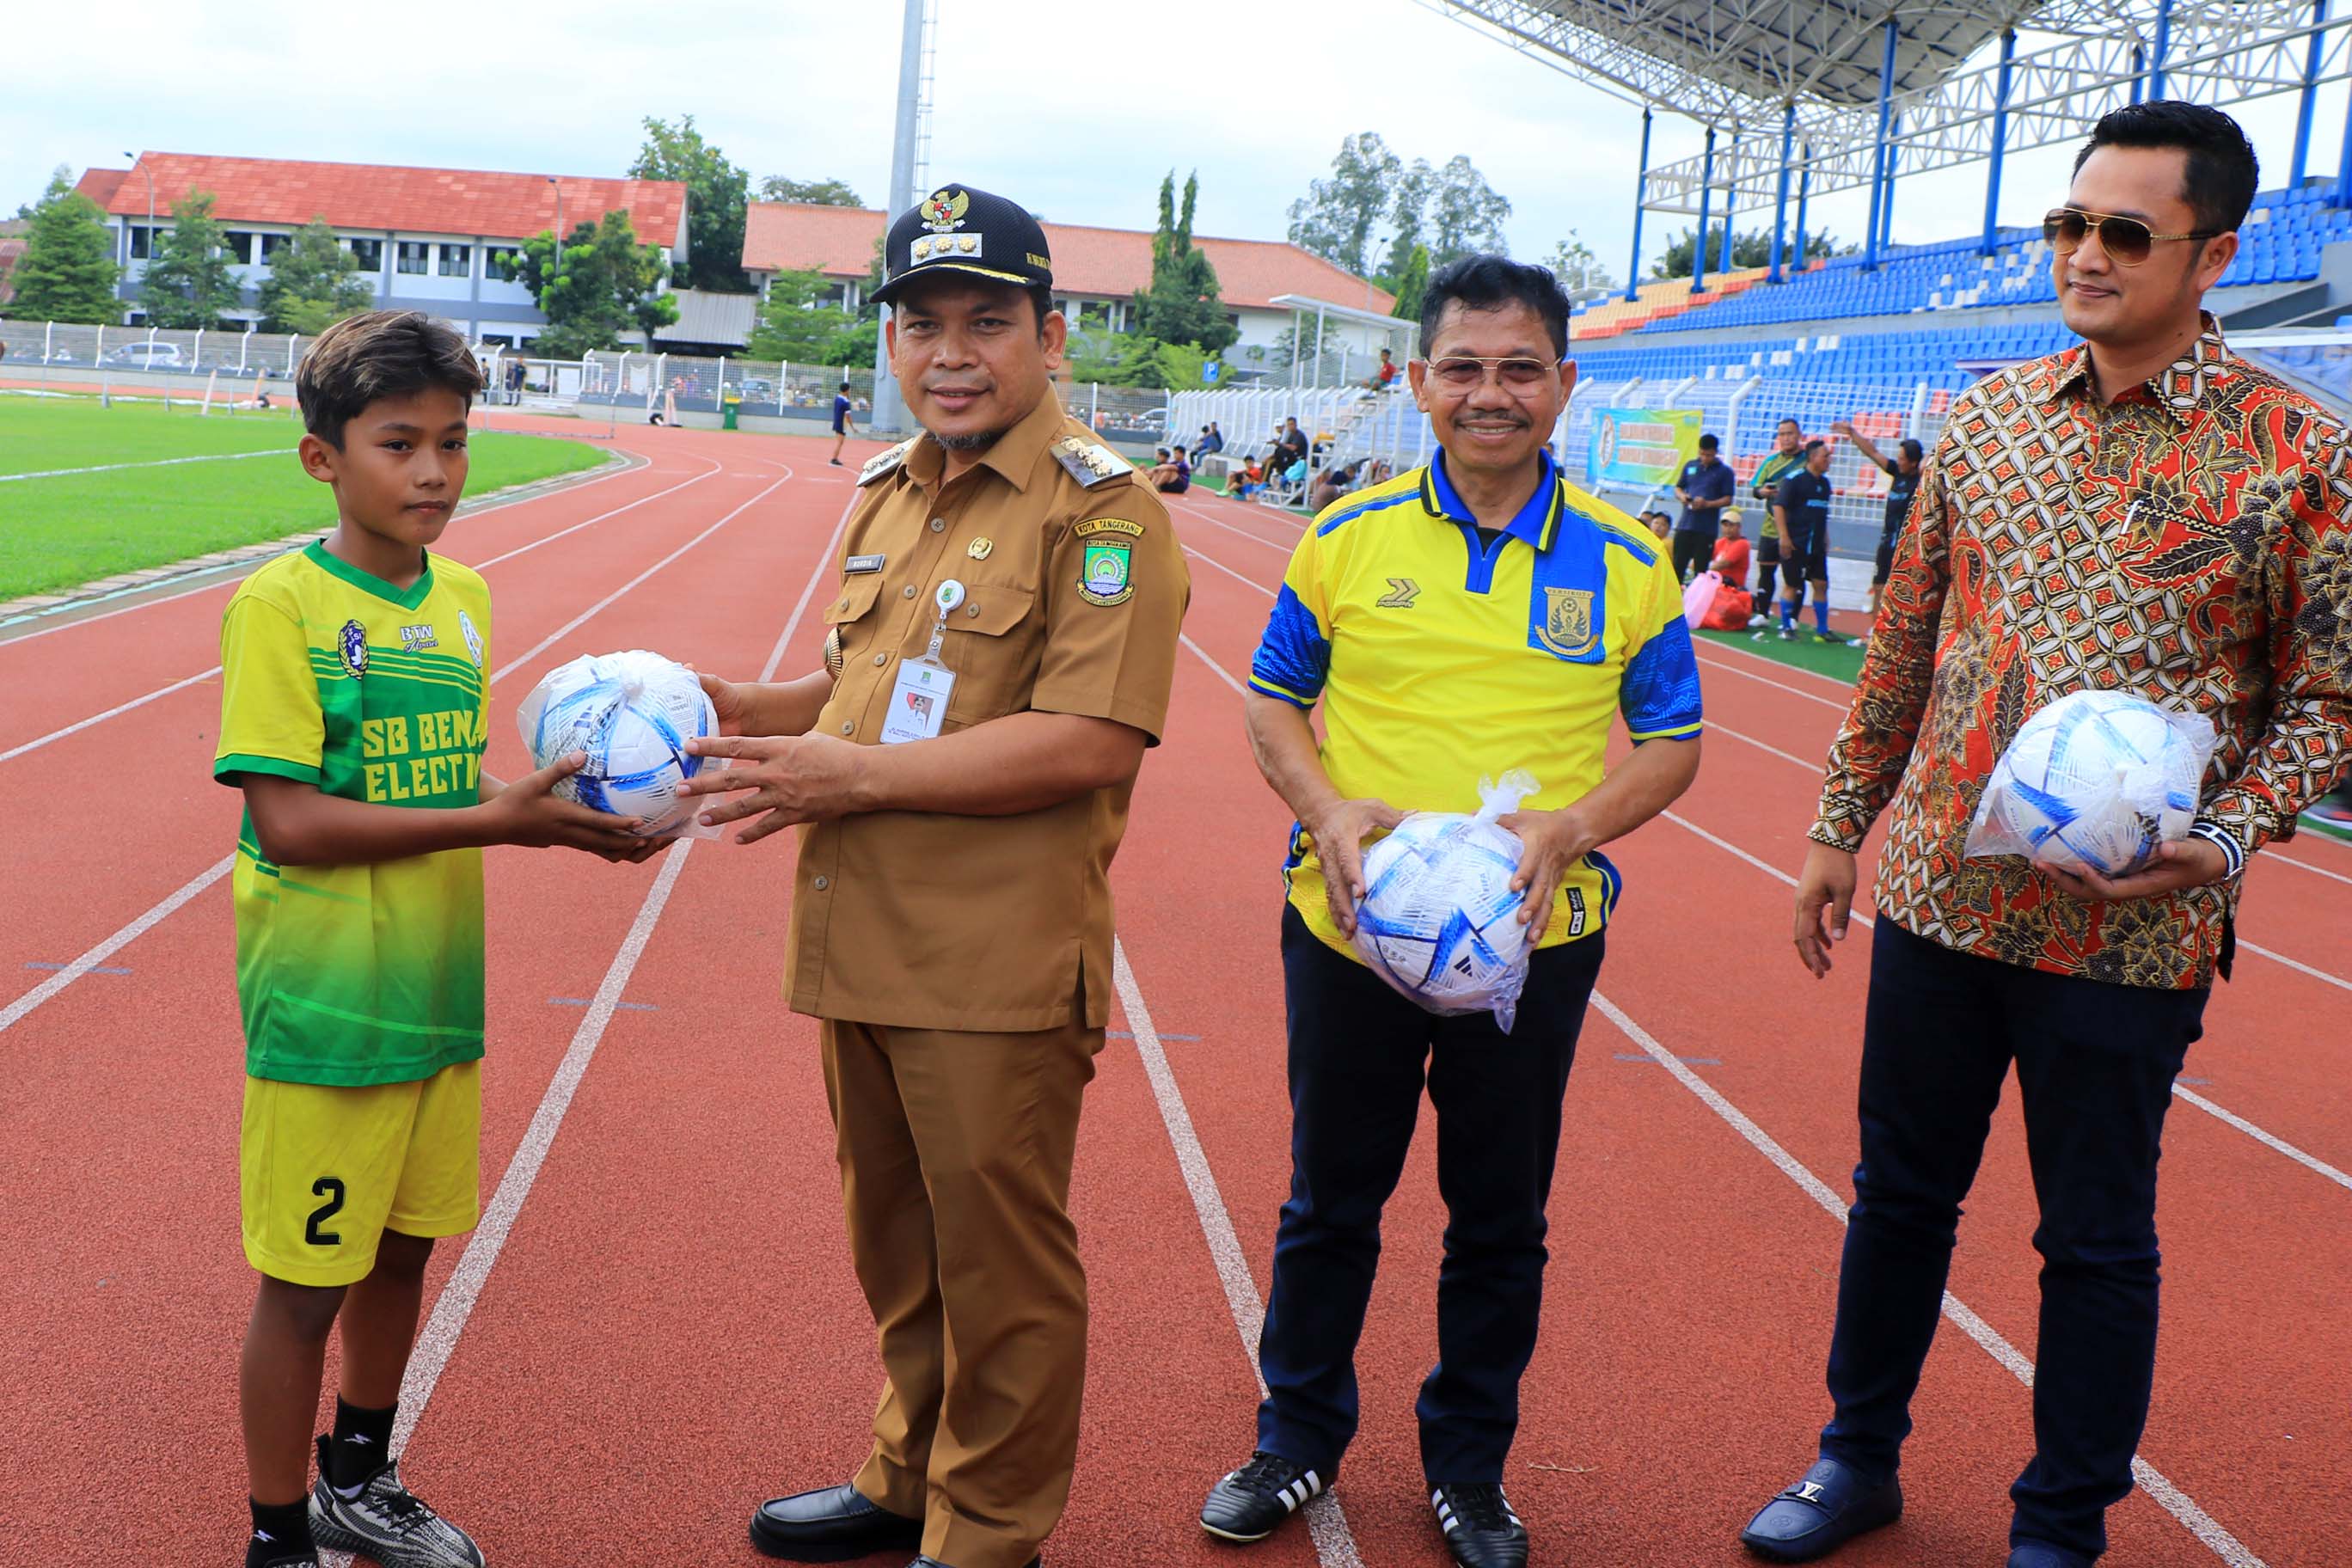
[(844, 427), (1705, 486), (1803, 506)]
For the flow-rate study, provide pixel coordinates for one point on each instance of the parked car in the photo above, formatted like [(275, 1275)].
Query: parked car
[(146, 356)]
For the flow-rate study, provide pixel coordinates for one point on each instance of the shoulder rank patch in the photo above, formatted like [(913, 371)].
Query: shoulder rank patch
[(1106, 565), (887, 463), (1090, 462)]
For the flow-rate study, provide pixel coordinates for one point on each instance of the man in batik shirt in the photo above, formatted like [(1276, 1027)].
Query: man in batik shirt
[(2150, 513)]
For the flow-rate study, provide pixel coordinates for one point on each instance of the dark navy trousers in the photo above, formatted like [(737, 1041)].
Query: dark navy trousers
[(2095, 1069), (1358, 1055)]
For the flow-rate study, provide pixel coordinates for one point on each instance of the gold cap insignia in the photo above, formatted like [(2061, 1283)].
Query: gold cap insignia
[(980, 549), (942, 211)]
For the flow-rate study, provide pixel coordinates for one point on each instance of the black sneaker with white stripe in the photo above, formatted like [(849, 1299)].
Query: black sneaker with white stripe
[(1480, 1528), (385, 1520), (1247, 1504)]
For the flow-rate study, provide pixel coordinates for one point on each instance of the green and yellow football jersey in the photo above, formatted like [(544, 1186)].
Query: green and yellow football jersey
[(360, 974)]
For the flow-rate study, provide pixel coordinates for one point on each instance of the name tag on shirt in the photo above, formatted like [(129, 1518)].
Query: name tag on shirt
[(919, 701), (857, 564)]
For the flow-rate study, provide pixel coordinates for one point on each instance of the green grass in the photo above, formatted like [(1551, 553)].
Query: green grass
[(56, 532), (1839, 663)]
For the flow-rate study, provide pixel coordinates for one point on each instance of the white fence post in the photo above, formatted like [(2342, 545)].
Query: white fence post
[(783, 376), (291, 341), (197, 350), (241, 344), (48, 335)]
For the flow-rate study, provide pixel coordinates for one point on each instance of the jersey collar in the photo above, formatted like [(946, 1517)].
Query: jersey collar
[(335, 567), (1537, 523)]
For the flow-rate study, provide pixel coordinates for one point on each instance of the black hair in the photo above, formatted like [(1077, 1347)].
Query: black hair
[(1490, 282), (1708, 443), (1180, 452), (844, 386), (1912, 449), (2222, 175), (1815, 445), (1789, 419), (374, 355)]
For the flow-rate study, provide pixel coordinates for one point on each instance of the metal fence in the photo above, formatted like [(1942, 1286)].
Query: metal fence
[(1346, 426)]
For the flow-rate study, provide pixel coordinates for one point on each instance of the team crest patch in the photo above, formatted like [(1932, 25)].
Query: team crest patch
[(352, 644), (416, 640), (1567, 628), (473, 638), (1106, 568)]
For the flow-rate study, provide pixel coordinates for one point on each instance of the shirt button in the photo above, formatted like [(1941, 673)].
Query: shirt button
[(849, 726), (973, 608), (881, 659), (821, 883), (939, 525), (908, 592)]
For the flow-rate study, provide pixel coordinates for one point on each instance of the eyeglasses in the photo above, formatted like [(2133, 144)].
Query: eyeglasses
[(1463, 373), (2126, 240)]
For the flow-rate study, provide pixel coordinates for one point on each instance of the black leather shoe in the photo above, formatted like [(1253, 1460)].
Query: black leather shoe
[(2042, 1554), (832, 1524), (1820, 1513), (1480, 1529), (1249, 1502)]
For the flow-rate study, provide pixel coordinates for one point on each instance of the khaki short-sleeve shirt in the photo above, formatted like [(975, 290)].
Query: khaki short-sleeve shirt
[(1074, 589)]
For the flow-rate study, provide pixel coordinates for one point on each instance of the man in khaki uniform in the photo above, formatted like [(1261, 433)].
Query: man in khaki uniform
[(998, 657)]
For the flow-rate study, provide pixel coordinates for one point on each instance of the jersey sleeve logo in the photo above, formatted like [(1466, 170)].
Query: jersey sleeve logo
[(351, 643), (473, 638)]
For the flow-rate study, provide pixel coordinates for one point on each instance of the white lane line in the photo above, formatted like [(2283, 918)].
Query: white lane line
[(1327, 1523), (98, 954), (1239, 532), (451, 1310), (2168, 1497), (2152, 1481), (112, 945), (162, 691), (1244, 582), (2280, 858), (1764, 680), (158, 463)]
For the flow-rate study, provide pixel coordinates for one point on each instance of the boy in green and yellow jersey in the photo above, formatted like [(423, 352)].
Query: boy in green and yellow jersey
[(354, 679)]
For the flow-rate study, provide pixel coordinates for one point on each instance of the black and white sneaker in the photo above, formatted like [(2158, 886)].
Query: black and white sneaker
[(386, 1521), (1480, 1528), (1247, 1504)]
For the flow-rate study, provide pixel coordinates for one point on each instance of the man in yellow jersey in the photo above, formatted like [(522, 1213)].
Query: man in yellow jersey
[(1477, 615)]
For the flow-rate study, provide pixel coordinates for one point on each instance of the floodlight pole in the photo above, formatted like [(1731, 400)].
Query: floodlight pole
[(1781, 202), (1641, 195), (141, 164), (2343, 197), (2310, 95), (888, 409), (1878, 159), (1706, 192), (2000, 135), (2163, 42), (559, 221), (1804, 190), (1887, 209), (1730, 197), (2139, 73)]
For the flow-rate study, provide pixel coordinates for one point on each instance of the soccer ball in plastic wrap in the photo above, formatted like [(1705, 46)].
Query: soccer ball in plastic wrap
[(632, 713), (1439, 920), (2095, 781)]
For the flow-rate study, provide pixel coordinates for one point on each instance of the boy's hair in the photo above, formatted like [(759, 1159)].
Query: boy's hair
[(2220, 182), (1912, 449), (1816, 445), (1489, 283), (374, 355), (844, 386), (1708, 443)]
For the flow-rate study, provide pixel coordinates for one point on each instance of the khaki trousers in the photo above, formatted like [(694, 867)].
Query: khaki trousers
[(955, 1153)]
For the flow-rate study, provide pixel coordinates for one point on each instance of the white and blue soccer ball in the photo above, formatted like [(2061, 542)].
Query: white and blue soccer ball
[(2096, 780), (1439, 920), (633, 714)]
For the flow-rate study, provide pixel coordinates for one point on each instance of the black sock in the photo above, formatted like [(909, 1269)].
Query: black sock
[(358, 1449), (280, 1531)]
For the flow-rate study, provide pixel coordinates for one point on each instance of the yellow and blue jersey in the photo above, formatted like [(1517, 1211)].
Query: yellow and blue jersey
[(1438, 656)]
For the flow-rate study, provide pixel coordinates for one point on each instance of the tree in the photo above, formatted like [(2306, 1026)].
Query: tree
[(1412, 286), (60, 176), (188, 281), (313, 283), (1336, 218), (1466, 214), (1752, 250), (1407, 209), (792, 326), (1182, 304), (815, 192), (607, 284), (1573, 262), (66, 273), (1119, 359), (716, 192)]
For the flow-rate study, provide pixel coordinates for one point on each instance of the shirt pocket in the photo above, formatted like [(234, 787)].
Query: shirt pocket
[(848, 625), (992, 644)]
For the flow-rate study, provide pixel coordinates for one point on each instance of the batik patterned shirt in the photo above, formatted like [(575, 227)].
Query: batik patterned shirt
[(2186, 541)]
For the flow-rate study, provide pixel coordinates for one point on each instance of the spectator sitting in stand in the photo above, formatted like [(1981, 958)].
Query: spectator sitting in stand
[(1246, 480), (1330, 486)]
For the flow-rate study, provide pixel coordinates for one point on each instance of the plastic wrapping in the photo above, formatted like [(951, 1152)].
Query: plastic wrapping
[(632, 713), (1699, 597), (1439, 920), (2095, 780)]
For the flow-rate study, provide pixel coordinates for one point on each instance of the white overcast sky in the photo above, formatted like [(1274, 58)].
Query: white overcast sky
[(1074, 106)]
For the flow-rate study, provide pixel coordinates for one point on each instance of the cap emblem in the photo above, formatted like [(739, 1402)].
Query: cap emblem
[(942, 211)]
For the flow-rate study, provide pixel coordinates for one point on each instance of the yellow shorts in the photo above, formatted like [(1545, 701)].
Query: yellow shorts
[(324, 1170)]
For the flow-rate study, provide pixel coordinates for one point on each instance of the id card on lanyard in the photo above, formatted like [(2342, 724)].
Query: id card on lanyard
[(918, 699)]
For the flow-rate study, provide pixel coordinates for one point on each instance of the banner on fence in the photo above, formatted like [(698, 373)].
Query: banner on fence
[(1642, 446)]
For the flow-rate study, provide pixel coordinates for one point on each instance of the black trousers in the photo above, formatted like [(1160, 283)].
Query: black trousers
[(1693, 551), (1357, 1054), (2095, 1069), (1767, 566)]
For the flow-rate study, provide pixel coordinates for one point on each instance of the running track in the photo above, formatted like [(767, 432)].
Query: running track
[(657, 1325)]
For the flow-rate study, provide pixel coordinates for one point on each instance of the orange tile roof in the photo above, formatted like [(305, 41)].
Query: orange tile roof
[(492, 205), (839, 242)]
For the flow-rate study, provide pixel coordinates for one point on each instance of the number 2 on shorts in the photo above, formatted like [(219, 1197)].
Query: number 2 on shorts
[(331, 1189)]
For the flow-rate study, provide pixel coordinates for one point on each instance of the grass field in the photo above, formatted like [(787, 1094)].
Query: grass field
[(59, 529)]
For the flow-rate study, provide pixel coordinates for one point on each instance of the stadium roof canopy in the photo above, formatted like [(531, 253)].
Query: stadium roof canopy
[(1741, 65)]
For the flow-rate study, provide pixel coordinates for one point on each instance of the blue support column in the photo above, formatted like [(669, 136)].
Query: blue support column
[(2163, 43), (1699, 241), (1878, 159), (2342, 193), (2310, 98), (2001, 139), (1887, 207), (2139, 73), (1730, 198), (1781, 202), (1804, 190), (1641, 195)]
